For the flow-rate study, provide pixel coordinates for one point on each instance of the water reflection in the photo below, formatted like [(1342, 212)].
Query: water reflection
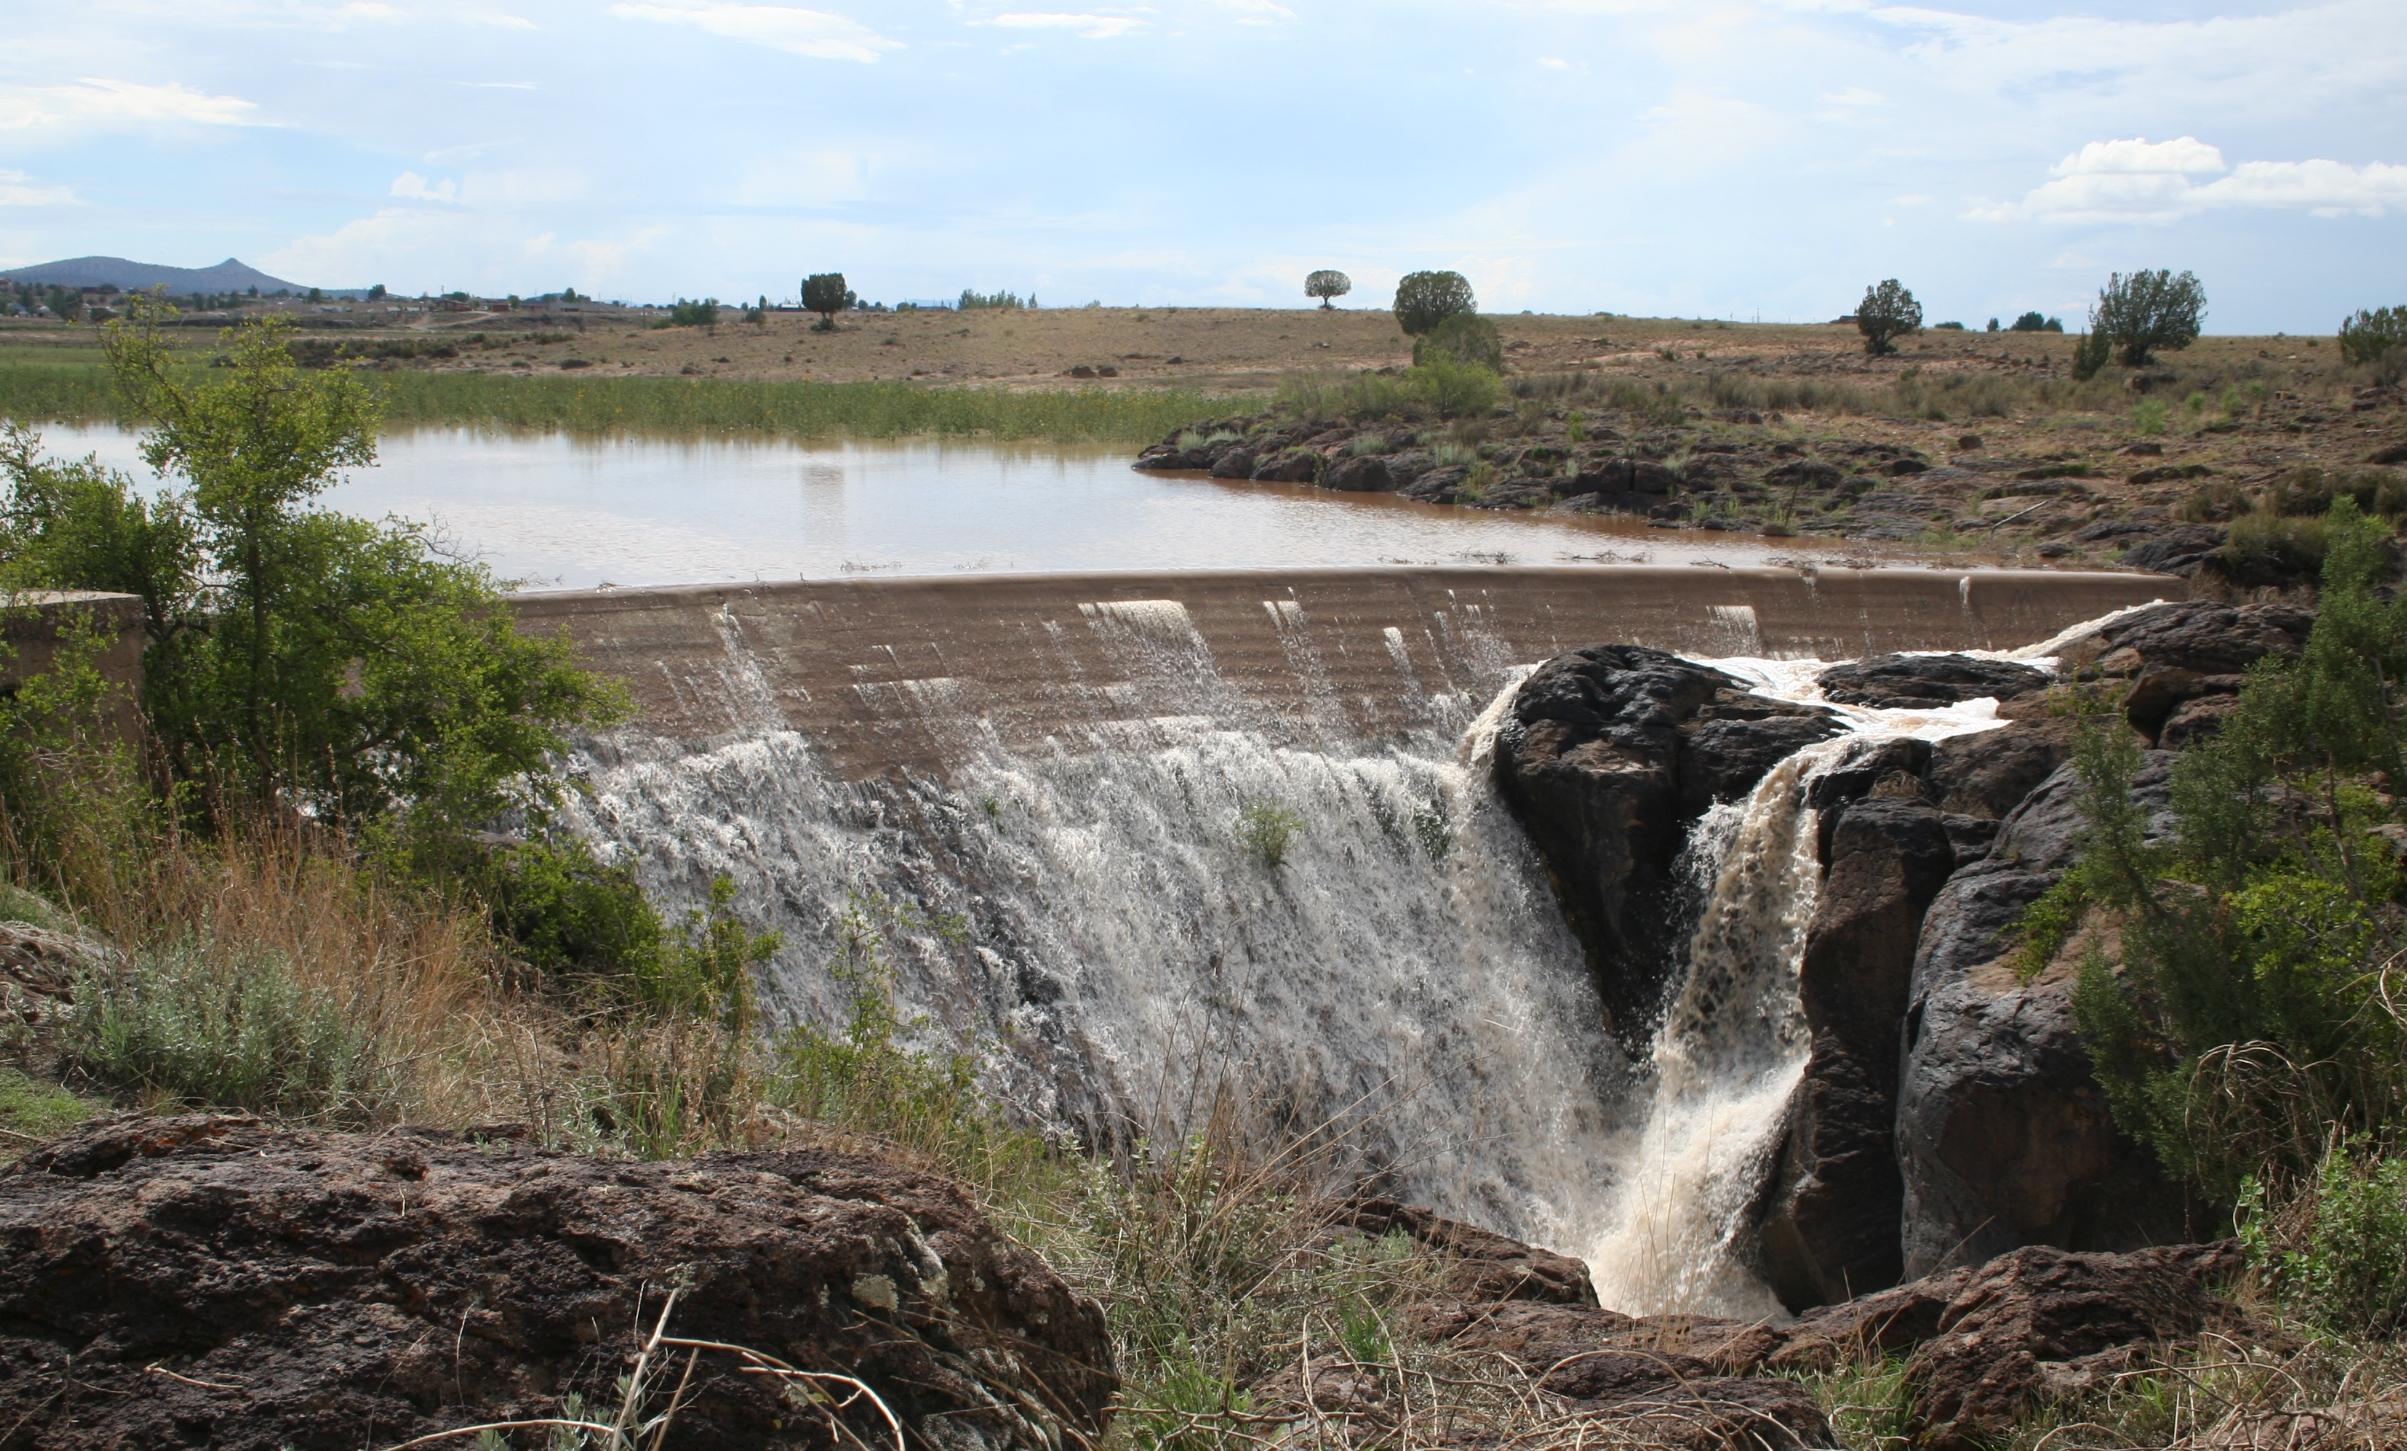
[(557, 511)]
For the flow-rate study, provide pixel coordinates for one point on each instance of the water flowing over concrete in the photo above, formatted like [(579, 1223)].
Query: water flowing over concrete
[(1046, 814)]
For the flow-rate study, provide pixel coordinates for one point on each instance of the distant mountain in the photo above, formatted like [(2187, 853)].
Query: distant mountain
[(226, 276)]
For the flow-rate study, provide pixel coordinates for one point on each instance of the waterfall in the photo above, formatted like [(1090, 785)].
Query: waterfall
[(1103, 922), (1724, 1062), (1090, 921), (1711, 1099)]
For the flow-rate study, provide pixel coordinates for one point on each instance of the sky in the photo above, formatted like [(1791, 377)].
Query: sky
[(1708, 158)]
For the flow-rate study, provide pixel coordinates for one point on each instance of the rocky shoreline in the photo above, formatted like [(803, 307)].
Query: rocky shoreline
[(2135, 502)]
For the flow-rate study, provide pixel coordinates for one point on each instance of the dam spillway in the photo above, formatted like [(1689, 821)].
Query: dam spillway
[(1025, 808), (908, 673)]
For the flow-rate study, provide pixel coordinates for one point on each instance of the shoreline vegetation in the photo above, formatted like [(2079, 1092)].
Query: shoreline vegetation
[(74, 391)]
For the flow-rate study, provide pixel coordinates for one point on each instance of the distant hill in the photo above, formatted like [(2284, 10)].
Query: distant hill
[(226, 276)]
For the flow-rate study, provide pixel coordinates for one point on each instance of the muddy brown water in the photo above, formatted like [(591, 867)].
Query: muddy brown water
[(561, 512)]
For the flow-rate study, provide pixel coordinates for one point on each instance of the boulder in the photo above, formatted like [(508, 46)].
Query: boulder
[(1988, 773), (2044, 1323), (1893, 682), (213, 1280), (1365, 475), (1606, 757), (2201, 636), (1289, 466), (1235, 462)]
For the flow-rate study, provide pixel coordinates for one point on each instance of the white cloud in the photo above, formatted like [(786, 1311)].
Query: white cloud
[(19, 190), (1084, 26), (2138, 180), (411, 187), (818, 34), (809, 176), (107, 105), (1258, 12), (1554, 63)]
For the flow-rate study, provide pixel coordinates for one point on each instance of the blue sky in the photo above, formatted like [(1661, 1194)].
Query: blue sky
[(1726, 158)]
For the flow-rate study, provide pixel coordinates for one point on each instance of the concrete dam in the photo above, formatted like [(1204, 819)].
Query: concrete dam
[(904, 673), (1141, 845)]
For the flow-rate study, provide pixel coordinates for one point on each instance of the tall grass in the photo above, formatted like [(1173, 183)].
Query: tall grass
[(78, 390)]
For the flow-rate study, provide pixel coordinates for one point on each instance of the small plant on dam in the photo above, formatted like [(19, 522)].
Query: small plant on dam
[(1267, 831)]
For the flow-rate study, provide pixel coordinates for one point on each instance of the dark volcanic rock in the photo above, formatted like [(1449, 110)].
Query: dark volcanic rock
[(1609, 754), (214, 1281), (2044, 1322), (1830, 1228), (2201, 636), (2003, 1135), (1988, 773), (1910, 681), (1292, 466), (1366, 475)]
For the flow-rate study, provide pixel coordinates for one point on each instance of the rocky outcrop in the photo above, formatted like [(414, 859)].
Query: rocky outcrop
[(2003, 1135), (215, 1280), (1831, 1224), (1986, 1343), (1892, 682), (2042, 1323), (1609, 753)]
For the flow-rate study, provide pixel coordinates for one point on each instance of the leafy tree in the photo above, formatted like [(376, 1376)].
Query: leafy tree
[(1993, 327), (1425, 299), (299, 657), (2251, 1014), (2147, 311), (1887, 312), (2376, 337), (825, 294), (2090, 354), (376, 293), (1467, 337), (1326, 284), (694, 312)]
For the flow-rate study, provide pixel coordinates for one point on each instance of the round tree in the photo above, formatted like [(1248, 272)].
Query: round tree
[(1328, 283), (825, 294), (1425, 299), (1887, 312), (2147, 311)]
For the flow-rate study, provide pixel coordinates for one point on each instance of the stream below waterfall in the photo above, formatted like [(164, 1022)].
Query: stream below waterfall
[(1107, 928)]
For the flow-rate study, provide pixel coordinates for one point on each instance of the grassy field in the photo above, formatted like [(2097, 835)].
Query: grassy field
[(63, 385)]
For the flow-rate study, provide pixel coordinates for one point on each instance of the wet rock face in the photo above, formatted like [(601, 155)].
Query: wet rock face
[(1610, 753), (2003, 1135), (1831, 1226), (319, 1289), (1894, 682)]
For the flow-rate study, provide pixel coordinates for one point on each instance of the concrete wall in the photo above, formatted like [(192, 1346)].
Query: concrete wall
[(36, 625), (908, 673)]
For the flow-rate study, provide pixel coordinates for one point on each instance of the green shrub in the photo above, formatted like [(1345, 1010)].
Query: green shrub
[(2147, 311), (1425, 299), (693, 312), (2148, 417), (2336, 1254), (2248, 1017), (580, 924), (1454, 388), (1467, 337), (2091, 353), (184, 1024), (1266, 831), (2377, 338), (1887, 312), (2266, 544)]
